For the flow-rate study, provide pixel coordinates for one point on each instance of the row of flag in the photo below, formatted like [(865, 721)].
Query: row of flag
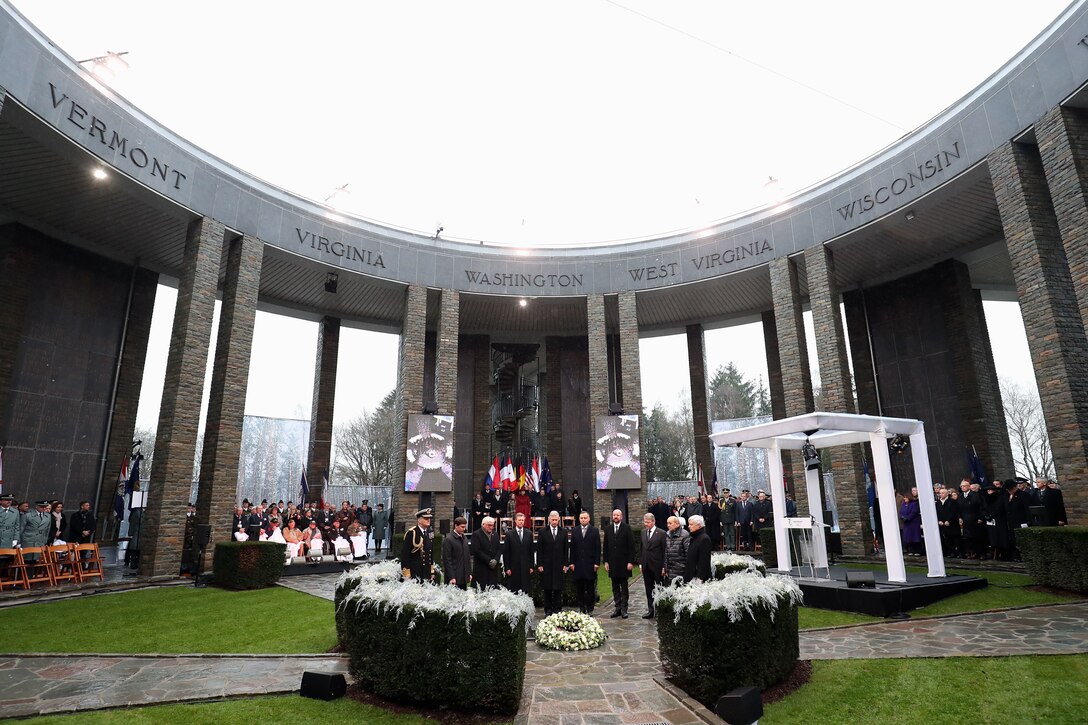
[(505, 475), (304, 493), (713, 483)]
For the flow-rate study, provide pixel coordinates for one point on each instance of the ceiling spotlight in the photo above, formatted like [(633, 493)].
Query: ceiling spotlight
[(910, 216), (812, 458), (523, 302), (99, 174), (331, 280)]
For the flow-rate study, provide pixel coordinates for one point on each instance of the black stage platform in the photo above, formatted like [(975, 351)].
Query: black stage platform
[(332, 567), (887, 598)]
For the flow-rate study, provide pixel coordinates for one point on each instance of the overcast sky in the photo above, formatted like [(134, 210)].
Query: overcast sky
[(538, 123)]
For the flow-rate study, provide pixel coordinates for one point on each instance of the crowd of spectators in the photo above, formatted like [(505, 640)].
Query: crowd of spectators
[(311, 529), (44, 523)]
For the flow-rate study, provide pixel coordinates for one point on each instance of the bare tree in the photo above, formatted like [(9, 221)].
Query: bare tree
[(366, 447), (1027, 431)]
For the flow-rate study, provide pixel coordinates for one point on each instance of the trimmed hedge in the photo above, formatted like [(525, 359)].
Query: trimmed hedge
[(1055, 556), (432, 659), (248, 564), (707, 655)]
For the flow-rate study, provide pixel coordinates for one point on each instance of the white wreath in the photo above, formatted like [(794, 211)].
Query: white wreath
[(570, 631)]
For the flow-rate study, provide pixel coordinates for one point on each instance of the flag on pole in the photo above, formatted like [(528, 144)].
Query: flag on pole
[(534, 474), (119, 495), (324, 488), (509, 481), (978, 473), (546, 477), (134, 475), (305, 486), (523, 481), (491, 482), (714, 483), (702, 484)]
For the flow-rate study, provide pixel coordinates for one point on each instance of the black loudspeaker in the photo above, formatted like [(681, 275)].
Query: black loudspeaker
[(860, 579), (323, 685), (741, 706), (202, 534)]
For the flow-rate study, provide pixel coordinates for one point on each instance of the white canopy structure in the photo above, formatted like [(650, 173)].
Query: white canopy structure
[(824, 430)]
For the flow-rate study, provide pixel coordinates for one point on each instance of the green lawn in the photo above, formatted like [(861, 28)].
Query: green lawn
[(952, 690), (271, 709), (604, 585), (810, 618), (174, 620)]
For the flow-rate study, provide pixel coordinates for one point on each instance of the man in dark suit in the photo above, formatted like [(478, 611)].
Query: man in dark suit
[(619, 560), (698, 564), (551, 562), (477, 511), (485, 555), (744, 520), (585, 557), (81, 526), (653, 559), (1050, 498), (455, 556), (517, 556)]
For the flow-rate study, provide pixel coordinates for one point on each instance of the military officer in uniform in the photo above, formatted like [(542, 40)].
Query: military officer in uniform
[(36, 527), (417, 553), (9, 522)]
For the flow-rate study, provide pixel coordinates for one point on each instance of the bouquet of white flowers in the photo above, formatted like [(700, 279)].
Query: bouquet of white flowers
[(570, 631)]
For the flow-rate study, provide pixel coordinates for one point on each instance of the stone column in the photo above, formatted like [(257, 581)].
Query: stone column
[(163, 529), (409, 394), (129, 382), (597, 330), (836, 397), (774, 365), (1063, 145), (445, 381), (481, 418), (793, 359), (631, 380), (1052, 318), (227, 402), (700, 414), (319, 455)]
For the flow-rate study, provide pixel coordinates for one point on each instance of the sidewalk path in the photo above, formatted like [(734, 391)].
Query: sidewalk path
[(1043, 630), (49, 684)]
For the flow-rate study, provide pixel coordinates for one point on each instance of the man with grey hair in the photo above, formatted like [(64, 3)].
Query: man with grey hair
[(698, 563), (619, 560), (676, 549), (485, 555)]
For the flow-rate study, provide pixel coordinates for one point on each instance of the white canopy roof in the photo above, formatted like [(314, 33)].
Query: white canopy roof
[(823, 430)]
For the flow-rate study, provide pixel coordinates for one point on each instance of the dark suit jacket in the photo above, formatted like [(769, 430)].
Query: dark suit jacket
[(517, 559), (619, 550), (1053, 503), (552, 554), (455, 559), (81, 521), (485, 549), (653, 550), (698, 565), (744, 512), (585, 552)]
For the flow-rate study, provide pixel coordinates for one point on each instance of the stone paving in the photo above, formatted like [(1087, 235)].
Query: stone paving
[(1051, 629), (620, 682), (47, 684)]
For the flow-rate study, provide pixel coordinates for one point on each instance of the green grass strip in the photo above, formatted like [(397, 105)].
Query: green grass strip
[(1040, 689), (174, 620)]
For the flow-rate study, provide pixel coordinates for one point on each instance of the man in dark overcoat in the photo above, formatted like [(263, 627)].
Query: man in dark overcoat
[(552, 558), (585, 557), (653, 559), (619, 561), (485, 555), (517, 556), (455, 556)]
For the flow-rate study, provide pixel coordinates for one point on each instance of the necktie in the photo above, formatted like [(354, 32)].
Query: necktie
[(652, 532), (584, 532), (554, 532), (616, 529)]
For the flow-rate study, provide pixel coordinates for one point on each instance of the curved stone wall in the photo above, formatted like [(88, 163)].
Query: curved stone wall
[(48, 83)]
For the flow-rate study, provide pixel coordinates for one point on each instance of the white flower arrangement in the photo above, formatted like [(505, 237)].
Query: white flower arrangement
[(379, 587), (731, 561), (738, 595), (570, 631)]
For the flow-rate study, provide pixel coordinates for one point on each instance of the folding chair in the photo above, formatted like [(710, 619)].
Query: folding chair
[(9, 574), (33, 565), (90, 567), (60, 563)]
